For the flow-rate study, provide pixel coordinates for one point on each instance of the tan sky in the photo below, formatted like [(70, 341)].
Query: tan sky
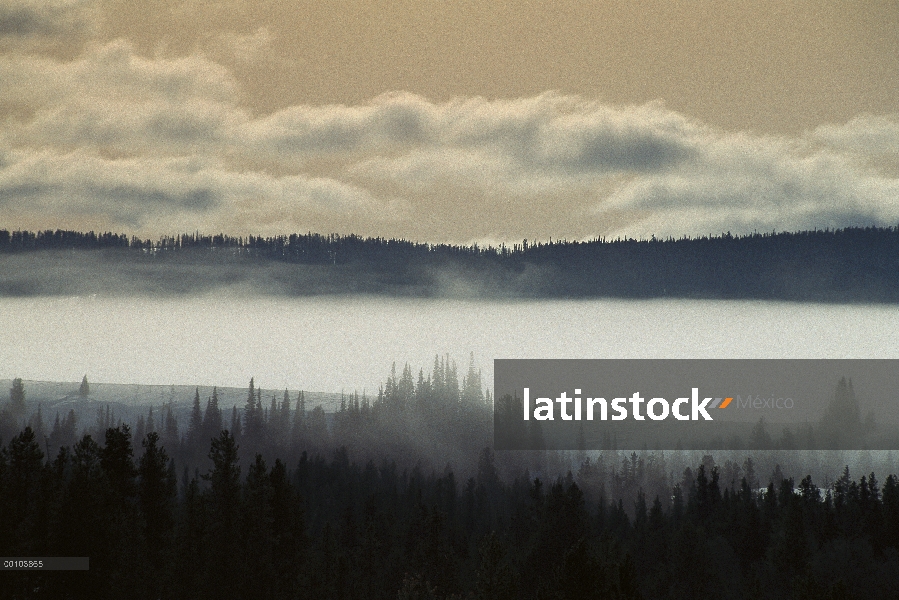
[(448, 120), (771, 66)]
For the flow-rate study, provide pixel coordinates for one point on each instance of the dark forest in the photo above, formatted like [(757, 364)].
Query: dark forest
[(845, 265), (401, 496)]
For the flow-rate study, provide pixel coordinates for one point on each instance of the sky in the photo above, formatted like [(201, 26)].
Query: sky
[(448, 120)]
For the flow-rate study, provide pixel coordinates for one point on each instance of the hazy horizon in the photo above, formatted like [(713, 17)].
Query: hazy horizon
[(333, 344)]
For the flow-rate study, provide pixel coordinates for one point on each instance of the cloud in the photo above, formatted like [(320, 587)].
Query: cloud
[(113, 100), (867, 135), (132, 191), (546, 132), (157, 143), (35, 23), (743, 184), (389, 121)]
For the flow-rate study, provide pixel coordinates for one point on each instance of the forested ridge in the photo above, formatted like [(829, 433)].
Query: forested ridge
[(843, 265), (400, 496)]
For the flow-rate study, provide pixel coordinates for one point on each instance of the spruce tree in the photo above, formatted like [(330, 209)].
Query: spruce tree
[(171, 430), (298, 430), (223, 496), (196, 420), (236, 430), (157, 496), (17, 398), (212, 418)]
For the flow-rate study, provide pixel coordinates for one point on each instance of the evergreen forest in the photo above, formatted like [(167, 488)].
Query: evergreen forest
[(843, 265), (401, 496)]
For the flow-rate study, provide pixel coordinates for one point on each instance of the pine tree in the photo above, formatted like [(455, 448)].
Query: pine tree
[(171, 430), (284, 419), (298, 430), (257, 531), (116, 460), (236, 430), (289, 533), (37, 424), (212, 418), (85, 389), (17, 398), (156, 495), (140, 428), (252, 414), (119, 555), (451, 377), (20, 488), (423, 389), (317, 429), (195, 427), (55, 439), (405, 387), (472, 393), (273, 415), (223, 569)]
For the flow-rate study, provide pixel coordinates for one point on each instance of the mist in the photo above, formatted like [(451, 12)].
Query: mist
[(334, 343)]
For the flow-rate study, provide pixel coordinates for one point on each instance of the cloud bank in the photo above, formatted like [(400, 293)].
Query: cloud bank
[(115, 140)]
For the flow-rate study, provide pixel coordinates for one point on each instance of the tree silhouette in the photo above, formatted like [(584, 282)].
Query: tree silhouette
[(157, 496), (223, 569), (195, 426), (17, 398)]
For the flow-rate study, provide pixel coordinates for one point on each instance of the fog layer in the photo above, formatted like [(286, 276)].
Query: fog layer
[(330, 344)]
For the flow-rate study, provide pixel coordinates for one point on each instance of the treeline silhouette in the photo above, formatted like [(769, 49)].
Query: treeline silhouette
[(431, 421), (843, 265), (278, 502)]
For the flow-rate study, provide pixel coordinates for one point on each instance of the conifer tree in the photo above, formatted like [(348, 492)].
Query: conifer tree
[(151, 422), (253, 415), (17, 398), (284, 419), (298, 430), (20, 484), (37, 425), (212, 418), (236, 429), (116, 460), (157, 497), (195, 427), (171, 430), (273, 415), (140, 428), (472, 394), (223, 495)]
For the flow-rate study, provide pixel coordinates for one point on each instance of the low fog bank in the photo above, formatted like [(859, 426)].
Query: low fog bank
[(122, 273), (849, 265)]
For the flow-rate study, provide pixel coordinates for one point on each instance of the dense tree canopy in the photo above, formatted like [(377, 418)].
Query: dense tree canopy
[(306, 504)]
